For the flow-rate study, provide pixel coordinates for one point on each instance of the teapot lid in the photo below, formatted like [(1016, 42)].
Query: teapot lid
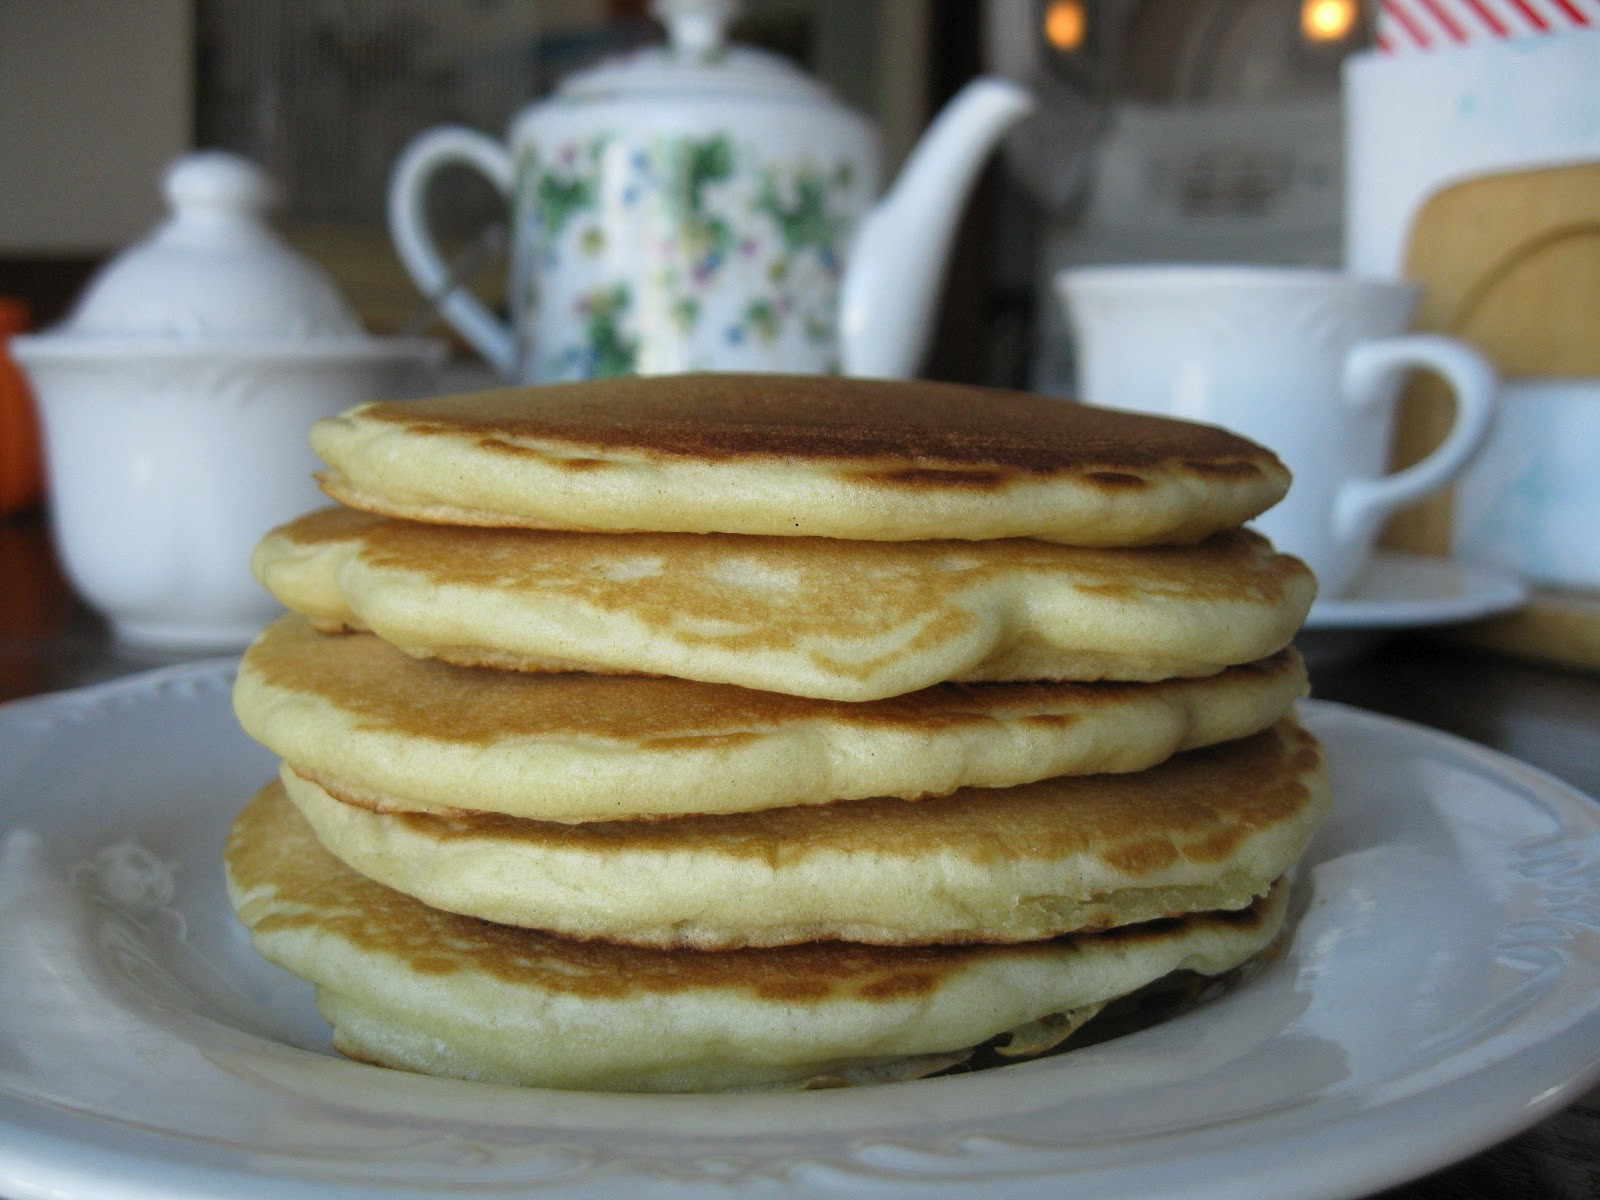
[(213, 269), (697, 62)]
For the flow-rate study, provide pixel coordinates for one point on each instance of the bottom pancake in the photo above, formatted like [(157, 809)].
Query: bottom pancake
[(408, 986)]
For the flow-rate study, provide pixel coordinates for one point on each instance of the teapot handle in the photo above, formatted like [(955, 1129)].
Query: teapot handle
[(408, 227)]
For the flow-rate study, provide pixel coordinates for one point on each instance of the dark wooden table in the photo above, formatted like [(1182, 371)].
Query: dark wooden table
[(1551, 719)]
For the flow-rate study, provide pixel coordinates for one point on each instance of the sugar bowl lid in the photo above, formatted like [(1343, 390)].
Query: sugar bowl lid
[(212, 271)]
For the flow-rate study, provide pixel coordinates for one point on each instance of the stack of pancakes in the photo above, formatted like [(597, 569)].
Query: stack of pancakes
[(718, 731)]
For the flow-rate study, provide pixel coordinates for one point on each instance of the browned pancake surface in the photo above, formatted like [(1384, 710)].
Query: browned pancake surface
[(934, 434), (1197, 807), (825, 575), (385, 689), (823, 617), (286, 880)]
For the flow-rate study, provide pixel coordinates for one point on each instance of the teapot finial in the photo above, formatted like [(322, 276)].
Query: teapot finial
[(698, 29)]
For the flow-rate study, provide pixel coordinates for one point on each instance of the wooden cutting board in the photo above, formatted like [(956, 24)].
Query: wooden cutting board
[(1556, 627), (1510, 263)]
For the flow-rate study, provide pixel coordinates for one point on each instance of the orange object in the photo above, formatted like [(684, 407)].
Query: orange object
[(1064, 24), (21, 456)]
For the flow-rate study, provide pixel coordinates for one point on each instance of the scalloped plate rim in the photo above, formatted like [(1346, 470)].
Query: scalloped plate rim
[(45, 1149)]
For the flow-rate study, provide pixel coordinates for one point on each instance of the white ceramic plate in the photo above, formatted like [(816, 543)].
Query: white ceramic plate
[(1402, 591), (1442, 991)]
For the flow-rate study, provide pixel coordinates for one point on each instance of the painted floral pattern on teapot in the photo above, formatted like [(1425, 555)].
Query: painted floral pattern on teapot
[(670, 253)]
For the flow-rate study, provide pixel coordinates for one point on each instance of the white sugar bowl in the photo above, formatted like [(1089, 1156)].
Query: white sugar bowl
[(175, 402)]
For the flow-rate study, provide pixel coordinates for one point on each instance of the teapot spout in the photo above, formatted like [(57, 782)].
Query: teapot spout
[(899, 253)]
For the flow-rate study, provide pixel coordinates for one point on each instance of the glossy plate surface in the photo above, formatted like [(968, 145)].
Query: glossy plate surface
[(1442, 990), (1403, 591)]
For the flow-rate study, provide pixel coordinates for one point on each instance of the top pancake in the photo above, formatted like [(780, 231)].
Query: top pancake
[(875, 460)]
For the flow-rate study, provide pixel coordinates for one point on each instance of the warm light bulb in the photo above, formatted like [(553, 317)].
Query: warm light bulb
[(1327, 20), (1064, 24)]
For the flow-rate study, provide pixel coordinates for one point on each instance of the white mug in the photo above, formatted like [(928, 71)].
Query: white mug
[(1306, 362)]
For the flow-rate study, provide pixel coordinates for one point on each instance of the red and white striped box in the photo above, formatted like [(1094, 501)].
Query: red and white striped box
[(1417, 119), (1423, 26)]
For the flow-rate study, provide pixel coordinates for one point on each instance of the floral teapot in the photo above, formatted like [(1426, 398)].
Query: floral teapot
[(705, 207)]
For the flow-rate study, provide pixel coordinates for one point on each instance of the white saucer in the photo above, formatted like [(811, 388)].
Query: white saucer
[(1440, 992), (1404, 591)]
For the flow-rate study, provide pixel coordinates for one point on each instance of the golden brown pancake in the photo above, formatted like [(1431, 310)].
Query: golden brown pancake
[(1208, 829), (409, 986), (810, 456), (806, 616), (412, 734)]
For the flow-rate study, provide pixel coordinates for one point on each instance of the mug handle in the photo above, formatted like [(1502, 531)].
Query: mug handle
[(408, 227), (1368, 373)]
